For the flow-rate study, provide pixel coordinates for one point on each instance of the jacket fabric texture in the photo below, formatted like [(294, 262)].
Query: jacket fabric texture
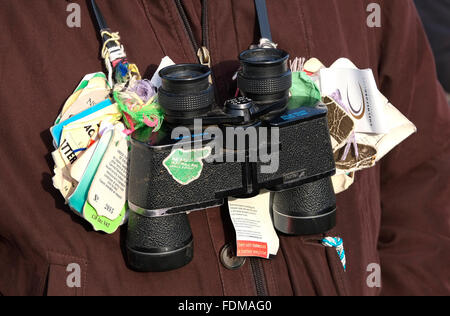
[(396, 215)]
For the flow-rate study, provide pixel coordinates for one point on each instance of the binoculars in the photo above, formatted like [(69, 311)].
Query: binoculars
[(204, 154)]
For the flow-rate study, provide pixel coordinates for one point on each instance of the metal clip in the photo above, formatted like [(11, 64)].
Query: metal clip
[(264, 43), (205, 58)]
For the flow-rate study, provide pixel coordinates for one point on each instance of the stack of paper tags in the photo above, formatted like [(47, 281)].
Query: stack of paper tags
[(364, 126), (91, 155)]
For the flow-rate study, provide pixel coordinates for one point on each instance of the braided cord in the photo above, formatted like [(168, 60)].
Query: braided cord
[(338, 243)]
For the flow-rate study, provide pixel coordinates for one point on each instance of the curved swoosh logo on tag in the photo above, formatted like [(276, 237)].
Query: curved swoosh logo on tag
[(359, 112)]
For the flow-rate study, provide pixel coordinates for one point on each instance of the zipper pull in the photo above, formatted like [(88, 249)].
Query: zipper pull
[(204, 58)]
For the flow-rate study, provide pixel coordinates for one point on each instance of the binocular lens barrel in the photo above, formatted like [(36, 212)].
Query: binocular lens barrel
[(265, 76), (306, 210), (157, 244), (186, 92)]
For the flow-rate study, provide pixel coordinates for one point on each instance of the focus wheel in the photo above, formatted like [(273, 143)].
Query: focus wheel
[(188, 103), (265, 86)]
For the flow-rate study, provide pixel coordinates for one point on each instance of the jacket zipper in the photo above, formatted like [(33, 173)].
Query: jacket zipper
[(202, 53), (258, 276)]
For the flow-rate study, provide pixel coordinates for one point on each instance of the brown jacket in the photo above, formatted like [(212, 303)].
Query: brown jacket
[(396, 214)]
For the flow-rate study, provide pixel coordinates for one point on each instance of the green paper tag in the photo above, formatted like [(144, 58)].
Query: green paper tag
[(185, 166), (101, 223), (304, 91)]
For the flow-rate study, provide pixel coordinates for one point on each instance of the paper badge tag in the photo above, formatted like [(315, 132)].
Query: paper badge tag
[(186, 166), (64, 158), (66, 178), (255, 234), (79, 167), (75, 140), (63, 182), (359, 89), (103, 108), (156, 79), (107, 194), (400, 129), (86, 100), (79, 197), (78, 136), (93, 89), (343, 181), (100, 223)]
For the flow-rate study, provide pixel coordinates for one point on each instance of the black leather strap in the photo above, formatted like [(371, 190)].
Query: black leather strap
[(263, 18)]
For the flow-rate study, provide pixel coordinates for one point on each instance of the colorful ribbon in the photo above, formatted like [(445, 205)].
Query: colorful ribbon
[(336, 242)]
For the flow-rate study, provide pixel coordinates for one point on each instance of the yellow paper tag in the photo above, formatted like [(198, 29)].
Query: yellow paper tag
[(85, 99), (77, 136), (92, 90)]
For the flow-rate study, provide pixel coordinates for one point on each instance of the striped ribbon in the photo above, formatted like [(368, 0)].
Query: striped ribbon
[(336, 242)]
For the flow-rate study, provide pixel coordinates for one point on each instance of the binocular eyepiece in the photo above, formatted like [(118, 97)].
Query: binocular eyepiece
[(265, 76), (187, 93)]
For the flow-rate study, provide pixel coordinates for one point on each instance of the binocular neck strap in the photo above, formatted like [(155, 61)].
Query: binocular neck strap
[(202, 51), (263, 18)]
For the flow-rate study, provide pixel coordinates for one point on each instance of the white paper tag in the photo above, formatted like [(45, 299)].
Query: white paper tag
[(74, 142), (397, 126), (255, 234), (92, 90), (107, 194), (359, 90), (63, 182), (79, 166), (156, 79), (400, 129)]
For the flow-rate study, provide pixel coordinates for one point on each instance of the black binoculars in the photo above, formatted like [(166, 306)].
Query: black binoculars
[(204, 154)]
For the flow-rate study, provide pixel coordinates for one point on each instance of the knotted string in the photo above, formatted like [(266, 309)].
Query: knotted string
[(135, 97), (113, 55), (137, 101)]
